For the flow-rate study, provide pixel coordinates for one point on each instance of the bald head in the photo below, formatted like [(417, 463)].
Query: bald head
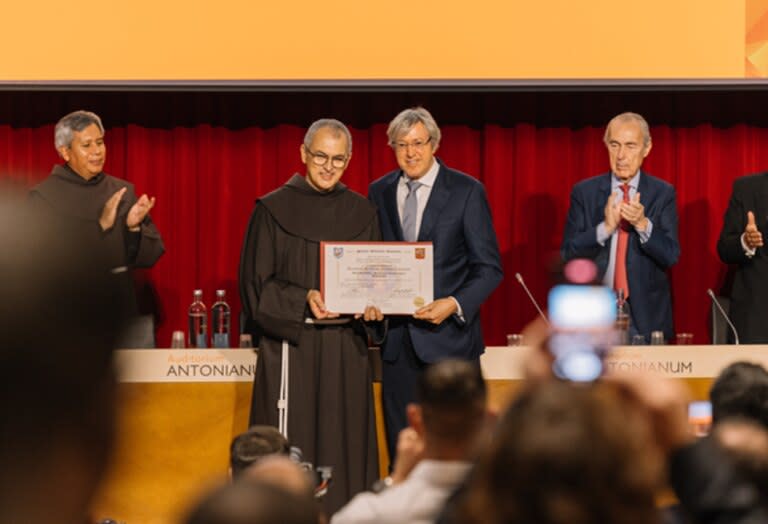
[(282, 472), (253, 502)]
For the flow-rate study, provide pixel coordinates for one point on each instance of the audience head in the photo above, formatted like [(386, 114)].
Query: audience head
[(250, 501), (58, 322), (450, 403), (745, 443), (567, 453), (254, 444), (282, 472), (741, 390)]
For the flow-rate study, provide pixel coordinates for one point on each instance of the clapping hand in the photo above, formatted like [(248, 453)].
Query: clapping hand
[(138, 211), (634, 213), (109, 211)]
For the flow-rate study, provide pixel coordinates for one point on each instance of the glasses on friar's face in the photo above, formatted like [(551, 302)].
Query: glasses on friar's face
[(321, 159), (416, 144)]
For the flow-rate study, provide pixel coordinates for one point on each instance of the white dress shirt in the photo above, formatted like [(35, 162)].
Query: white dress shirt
[(419, 499), (422, 193)]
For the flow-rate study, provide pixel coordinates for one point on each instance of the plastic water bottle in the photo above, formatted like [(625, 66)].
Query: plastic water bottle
[(622, 319), (198, 321), (220, 315)]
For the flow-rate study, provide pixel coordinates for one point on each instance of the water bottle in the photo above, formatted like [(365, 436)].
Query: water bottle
[(622, 319), (220, 315), (198, 321)]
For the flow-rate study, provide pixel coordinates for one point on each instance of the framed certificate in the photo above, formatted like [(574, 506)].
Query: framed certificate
[(396, 277)]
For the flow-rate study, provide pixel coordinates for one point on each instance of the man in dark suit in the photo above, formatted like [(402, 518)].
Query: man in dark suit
[(626, 222), (426, 201), (741, 243)]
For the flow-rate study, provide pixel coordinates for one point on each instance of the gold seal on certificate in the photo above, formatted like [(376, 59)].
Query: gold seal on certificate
[(396, 277)]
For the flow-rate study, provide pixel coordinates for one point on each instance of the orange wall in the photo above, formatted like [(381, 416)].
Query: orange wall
[(371, 39)]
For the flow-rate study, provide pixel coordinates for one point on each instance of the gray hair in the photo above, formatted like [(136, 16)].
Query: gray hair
[(334, 125), (630, 117), (408, 118), (74, 122)]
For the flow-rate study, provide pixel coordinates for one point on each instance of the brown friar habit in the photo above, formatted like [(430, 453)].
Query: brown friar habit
[(330, 402), (74, 204), (77, 202)]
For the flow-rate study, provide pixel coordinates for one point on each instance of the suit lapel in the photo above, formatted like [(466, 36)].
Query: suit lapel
[(601, 198), (602, 194), (644, 189), (390, 206), (438, 198), (760, 198)]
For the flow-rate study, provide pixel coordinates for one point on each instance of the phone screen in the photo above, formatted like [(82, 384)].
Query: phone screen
[(700, 417), (582, 319)]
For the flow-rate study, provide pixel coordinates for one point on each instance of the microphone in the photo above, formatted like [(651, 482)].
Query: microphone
[(723, 313), (519, 278)]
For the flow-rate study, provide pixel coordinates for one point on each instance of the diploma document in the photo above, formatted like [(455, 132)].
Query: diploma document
[(396, 277)]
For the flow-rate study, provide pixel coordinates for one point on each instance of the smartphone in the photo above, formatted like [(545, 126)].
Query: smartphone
[(700, 417), (582, 319)]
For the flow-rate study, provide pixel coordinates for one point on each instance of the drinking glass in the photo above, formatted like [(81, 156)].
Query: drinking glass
[(177, 340), (657, 338)]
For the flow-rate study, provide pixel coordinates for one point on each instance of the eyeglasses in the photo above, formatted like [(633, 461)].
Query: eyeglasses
[(321, 159), (418, 145)]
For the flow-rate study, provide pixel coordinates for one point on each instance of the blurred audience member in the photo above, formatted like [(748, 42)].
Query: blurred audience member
[(745, 442), (710, 487), (741, 390), (434, 452), (594, 453), (741, 445), (58, 318), (569, 454), (250, 501), (284, 473), (256, 443)]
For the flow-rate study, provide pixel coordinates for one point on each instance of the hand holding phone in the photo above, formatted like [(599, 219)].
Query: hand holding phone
[(583, 333)]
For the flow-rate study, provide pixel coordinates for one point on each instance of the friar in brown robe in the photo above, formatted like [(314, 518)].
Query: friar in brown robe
[(330, 413), (78, 196)]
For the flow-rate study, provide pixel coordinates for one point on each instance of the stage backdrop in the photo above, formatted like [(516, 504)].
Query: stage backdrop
[(236, 40), (207, 157)]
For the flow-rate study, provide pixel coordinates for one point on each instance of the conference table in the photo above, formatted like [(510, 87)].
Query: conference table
[(180, 409)]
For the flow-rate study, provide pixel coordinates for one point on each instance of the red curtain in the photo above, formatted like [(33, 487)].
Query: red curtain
[(206, 178)]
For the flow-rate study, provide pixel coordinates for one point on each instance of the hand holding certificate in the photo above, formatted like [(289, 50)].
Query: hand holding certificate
[(396, 277)]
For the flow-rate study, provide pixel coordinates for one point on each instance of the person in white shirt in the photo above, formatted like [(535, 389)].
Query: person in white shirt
[(434, 452)]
